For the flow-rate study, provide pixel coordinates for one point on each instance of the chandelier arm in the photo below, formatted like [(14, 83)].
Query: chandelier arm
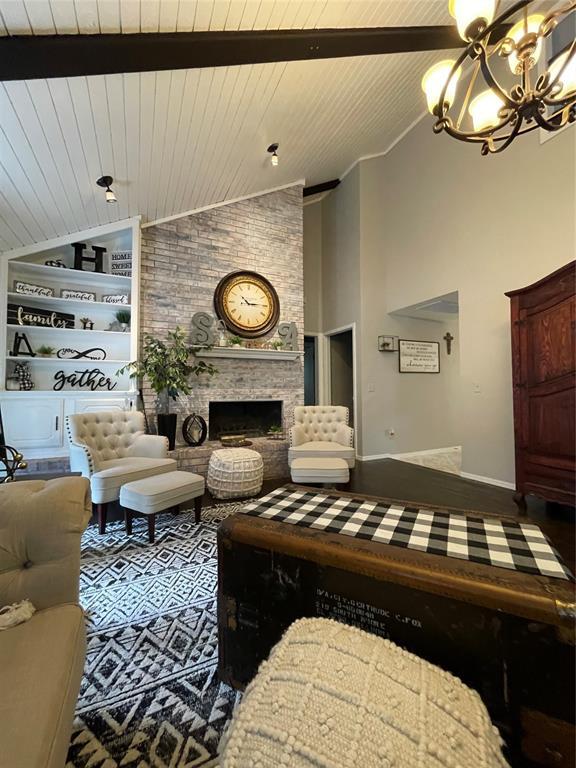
[(493, 83), (544, 92), (547, 123), (506, 140)]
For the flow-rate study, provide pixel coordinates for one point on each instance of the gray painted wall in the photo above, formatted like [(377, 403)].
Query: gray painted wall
[(431, 217), (312, 234)]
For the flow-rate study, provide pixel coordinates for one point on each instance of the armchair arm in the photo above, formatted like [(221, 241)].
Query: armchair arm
[(297, 436), (82, 459), (150, 446), (345, 435)]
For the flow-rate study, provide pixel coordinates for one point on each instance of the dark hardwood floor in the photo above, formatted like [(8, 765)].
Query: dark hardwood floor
[(398, 480)]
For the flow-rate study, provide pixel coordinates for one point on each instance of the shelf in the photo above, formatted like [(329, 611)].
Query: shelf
[(49, 329), (64, 360), (23, 298), (249, 354), (73, 275)]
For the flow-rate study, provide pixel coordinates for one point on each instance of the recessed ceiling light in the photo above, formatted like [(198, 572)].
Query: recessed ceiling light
[(106, 182)]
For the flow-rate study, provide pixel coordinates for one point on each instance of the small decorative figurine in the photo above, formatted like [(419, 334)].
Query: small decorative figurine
[(22, 373)]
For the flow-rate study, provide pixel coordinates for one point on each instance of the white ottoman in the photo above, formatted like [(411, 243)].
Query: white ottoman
[(158, 493), (234, 473), (316, 470), (332, 696)]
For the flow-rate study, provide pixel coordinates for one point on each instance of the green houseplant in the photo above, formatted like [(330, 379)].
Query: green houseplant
[(123, 316), (167, 366), (45, 351)]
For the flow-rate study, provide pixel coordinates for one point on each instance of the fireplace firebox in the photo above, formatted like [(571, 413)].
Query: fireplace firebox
[(252, 418)]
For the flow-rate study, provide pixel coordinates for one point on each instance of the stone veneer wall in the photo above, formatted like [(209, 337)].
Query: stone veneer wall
[(183, 261)]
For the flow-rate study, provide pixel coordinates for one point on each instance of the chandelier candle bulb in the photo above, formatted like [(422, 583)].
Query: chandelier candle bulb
[(567, 79), (484, 110), (434, 81), (472, 16), (528, 43)]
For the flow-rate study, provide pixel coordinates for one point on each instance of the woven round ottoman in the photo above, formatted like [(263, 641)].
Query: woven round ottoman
[(235, 473)]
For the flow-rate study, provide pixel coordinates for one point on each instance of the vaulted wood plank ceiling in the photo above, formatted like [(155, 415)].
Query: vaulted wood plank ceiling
[(179, 140)]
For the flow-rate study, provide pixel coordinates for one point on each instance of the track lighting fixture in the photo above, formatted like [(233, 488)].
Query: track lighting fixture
[(106, 182), (273, 149)]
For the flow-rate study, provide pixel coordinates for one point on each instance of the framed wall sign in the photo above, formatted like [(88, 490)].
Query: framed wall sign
[(32, 290), (68, 293), (419, 356), (115, 298)]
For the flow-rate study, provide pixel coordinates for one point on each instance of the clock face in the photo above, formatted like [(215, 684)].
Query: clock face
[(247, 303)]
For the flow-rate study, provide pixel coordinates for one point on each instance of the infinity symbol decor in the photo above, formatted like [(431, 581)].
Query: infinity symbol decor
[(94, 353)]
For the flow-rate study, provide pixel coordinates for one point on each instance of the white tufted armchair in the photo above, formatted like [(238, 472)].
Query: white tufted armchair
[(321, 431), (112, 449)]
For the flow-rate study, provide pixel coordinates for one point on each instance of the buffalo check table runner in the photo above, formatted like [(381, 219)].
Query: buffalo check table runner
[(505, 544)]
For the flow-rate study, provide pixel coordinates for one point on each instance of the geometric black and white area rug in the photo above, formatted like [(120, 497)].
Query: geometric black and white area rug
[(151, 697)]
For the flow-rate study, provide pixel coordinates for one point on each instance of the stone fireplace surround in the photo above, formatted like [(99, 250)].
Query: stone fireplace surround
[(182, 262)]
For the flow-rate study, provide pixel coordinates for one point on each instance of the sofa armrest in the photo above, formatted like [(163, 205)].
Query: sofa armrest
[(41, 524), (82, 459), (345, 435), (150, 446), (297, 436)]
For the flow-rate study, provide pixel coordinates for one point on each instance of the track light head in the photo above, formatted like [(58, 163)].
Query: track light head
[(106, 182), (273, 149)]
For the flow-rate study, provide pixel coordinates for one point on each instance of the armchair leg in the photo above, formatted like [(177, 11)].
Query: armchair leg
[(102, 511), (198, 508), (128, 521), (151, 528)]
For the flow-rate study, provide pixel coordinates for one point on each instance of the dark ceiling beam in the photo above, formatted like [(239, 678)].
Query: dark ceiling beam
[(325, 186), (28, 57)]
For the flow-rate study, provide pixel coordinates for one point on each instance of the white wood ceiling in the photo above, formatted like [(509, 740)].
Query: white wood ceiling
[(175, 141)]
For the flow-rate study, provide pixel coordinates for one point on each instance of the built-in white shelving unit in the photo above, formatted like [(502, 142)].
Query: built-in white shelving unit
[(34, 419)]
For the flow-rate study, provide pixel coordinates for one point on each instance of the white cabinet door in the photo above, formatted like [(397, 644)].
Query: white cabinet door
[(33, 422), (92, 404)]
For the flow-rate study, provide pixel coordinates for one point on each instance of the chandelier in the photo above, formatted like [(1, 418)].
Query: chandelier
[(524, 92)]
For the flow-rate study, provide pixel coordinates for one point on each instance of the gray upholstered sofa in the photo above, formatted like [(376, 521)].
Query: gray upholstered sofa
[(41, 660)]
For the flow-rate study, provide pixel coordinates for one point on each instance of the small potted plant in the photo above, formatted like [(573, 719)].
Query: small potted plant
[(167, 366), (275, 432), (123, 317), (235, 341), (45, 351)]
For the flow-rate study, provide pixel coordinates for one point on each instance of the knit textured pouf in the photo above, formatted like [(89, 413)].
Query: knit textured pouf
[(332, 696), (235, 473)]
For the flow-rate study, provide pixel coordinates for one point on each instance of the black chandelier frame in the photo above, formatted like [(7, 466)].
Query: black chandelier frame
[(524, 107)]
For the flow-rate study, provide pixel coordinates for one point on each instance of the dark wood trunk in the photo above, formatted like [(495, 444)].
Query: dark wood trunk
[(502, 632), (544, 379)]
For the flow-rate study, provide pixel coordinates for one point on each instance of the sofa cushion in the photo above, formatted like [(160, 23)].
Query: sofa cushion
[(322, 449), (106, 483), (154, 494), (42, 665)]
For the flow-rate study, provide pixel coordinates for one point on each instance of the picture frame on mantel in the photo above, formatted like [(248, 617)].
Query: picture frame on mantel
[(418, 356)]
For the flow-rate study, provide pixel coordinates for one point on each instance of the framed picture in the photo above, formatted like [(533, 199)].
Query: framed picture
[(32, 290), (68, 293), (387, 343), (419, 356), (115, 298)]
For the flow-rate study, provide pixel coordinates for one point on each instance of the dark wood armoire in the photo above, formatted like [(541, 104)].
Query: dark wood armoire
[(544, 380)]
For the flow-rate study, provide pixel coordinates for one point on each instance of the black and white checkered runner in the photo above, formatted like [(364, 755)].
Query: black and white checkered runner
[(517, 546)]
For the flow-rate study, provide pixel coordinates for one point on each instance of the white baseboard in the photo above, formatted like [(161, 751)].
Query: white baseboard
[(400, 456), (489, 480)]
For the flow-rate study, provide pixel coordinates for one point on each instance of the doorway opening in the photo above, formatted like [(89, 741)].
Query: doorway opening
[(341, 352), (310, 370)]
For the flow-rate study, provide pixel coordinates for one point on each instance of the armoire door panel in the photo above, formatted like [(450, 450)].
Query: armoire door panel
[(551, 419), (551, 348)]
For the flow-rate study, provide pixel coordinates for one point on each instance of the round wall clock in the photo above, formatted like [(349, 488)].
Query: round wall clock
[(247, 303)]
